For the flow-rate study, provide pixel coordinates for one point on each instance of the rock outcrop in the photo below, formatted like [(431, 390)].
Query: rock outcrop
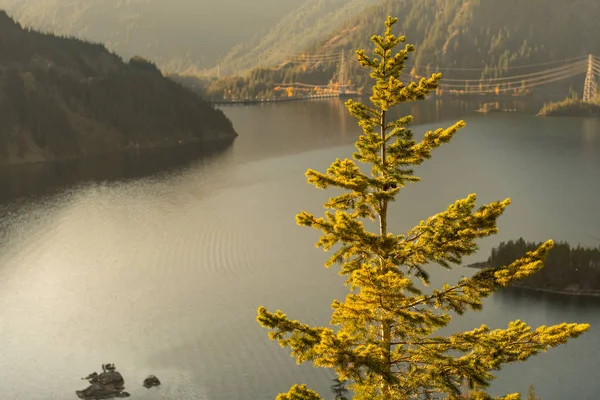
[(151, 381)]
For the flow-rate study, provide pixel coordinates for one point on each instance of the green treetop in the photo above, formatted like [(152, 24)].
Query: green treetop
[(339, 390), (531, 395), (384, 342)]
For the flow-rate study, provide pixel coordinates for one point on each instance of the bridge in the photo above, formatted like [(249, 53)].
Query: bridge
[(517, 80)]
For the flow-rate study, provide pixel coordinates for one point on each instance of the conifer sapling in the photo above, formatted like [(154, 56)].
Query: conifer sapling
[(384, 338)]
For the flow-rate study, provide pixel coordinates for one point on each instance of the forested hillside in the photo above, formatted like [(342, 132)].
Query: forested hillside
[(62, 97), (481, 33), (567, 268), (179, 35), (298, 29), (485, 37)]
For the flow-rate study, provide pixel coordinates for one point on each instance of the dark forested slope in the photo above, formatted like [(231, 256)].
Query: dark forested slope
[(566, 269), (62, 97)]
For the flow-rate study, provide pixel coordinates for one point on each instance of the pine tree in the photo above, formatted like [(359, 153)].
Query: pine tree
[(339, 389), (384, 340), (531, 394)]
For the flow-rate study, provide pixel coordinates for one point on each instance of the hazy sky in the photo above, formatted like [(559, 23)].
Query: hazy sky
[(202, 30)]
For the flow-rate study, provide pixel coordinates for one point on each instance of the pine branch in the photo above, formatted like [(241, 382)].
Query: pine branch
[(299, 392)]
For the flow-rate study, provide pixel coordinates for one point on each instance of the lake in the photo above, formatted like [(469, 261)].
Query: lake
[(158, 264)]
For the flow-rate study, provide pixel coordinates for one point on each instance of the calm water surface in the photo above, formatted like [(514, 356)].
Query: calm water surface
[(162, 274)]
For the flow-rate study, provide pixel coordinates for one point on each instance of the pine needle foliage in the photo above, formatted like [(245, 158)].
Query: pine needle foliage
[(384, 342)]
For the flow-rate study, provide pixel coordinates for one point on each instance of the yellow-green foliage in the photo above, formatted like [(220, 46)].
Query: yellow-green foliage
[(384, 341)]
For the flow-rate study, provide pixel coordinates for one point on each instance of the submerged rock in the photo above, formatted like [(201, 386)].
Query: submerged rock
[(107, 385), (151, 381)]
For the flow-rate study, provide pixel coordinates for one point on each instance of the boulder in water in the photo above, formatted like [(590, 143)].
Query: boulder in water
[(151, 381), (107, 385)]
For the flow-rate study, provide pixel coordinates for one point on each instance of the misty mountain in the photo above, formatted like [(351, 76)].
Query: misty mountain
[(178, 35), (477, 33), (467, 39), (302, 26)]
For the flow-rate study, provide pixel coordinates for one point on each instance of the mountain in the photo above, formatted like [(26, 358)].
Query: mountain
[(178, 35), (466, 39), (295, 31), (479, 33), (63, 97)]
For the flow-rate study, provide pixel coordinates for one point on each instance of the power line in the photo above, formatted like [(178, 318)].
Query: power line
[(299, 84), (579, 58), (457, 88), (525, 87), (289, 56), (320, 56), (502, 68), (575, 67), (577, 70), (580, 64), (292, 55)]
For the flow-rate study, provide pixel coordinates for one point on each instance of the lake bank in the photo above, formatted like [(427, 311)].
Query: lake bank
[(53, 176), (565, 292), (275, 100), (570, 107), (40, 157)]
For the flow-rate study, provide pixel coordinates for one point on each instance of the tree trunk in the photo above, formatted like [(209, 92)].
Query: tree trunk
[(386, 329)]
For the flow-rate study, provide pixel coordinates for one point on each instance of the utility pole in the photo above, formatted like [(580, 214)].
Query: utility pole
[(589, 87)]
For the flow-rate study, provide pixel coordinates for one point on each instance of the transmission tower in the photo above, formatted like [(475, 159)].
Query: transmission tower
[(589, 87)]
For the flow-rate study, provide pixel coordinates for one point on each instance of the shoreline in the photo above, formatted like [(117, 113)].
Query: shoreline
[(363, 94), (116, 166), (557, 291), (570, 107), (281, 100), (482, 265), (141, 150)]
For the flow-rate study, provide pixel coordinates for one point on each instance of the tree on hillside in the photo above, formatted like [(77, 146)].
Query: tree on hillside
[(339, 389), (531, 394), (384, 342)]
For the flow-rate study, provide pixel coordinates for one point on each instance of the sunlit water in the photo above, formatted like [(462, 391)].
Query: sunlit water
[(163, 274)]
